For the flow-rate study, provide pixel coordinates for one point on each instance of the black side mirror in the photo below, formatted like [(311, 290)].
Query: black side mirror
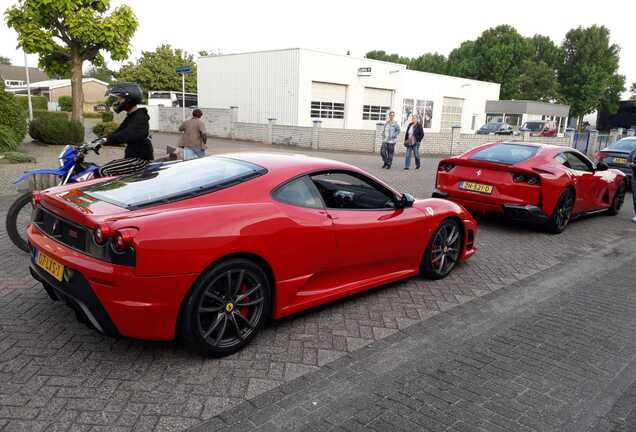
[(406, 201), (601, 166)]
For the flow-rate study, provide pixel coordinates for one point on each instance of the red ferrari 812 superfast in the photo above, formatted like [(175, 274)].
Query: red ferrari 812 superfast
[(530, 182), (210, 249)]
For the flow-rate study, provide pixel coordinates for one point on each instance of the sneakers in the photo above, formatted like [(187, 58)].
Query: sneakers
[(634, 219)]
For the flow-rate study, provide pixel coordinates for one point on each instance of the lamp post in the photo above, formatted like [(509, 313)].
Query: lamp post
[(28, 86)]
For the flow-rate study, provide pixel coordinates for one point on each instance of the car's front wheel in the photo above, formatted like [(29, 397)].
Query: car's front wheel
[(562, 213), (226, 307), (443, 250), (617, 202)]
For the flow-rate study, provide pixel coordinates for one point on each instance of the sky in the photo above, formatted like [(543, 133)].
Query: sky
[(409, 28)]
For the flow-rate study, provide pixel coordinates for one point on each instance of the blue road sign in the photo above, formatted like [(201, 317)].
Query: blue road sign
[(184, 69)]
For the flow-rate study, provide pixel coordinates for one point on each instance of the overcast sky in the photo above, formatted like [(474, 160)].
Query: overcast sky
[(409, 28)]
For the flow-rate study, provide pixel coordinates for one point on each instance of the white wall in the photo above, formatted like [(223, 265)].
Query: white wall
[(263, 85)]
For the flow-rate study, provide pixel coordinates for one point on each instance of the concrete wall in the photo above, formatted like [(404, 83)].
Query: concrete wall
[(218, 122)]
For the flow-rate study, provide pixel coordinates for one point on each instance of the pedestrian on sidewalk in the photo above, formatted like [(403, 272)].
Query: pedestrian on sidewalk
[(412, 140), (195, 137), (389, 139), (632, 159)]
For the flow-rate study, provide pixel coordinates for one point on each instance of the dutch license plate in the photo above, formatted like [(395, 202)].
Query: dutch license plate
[(51, 266), (476, 187), (620, 161)]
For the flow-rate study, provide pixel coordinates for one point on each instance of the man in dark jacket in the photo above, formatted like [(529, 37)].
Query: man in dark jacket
[(412, 140), (133, 132)]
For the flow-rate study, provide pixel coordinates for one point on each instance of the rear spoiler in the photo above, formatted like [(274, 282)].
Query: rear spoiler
[(492, 166)]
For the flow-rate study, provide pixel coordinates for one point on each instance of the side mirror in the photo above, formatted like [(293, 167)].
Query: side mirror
[(406, 201), (601, 166)]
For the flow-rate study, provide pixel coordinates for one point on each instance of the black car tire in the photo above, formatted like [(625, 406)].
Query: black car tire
[(562, 213), (11, 222), (617, 201), (218, 305), (443, 250)]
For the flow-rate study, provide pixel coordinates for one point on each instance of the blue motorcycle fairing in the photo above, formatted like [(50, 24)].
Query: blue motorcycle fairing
[(91, 168), (58, 172)]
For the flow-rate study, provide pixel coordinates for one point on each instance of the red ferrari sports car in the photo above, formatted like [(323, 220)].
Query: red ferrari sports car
[(530, 182), (209, 249)]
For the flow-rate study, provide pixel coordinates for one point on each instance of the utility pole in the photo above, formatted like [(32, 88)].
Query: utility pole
[(28, 80)]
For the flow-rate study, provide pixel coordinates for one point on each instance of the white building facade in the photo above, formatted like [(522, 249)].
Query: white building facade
[(298, 86)]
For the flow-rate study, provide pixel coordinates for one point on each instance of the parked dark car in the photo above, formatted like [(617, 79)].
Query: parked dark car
[(495, 128), (616, 155), (540, 128)]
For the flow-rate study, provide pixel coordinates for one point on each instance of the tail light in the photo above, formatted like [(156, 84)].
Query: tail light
[(36, 198), (102, 233), (600, 156), (446, 167), (123, 239), (525, 178)]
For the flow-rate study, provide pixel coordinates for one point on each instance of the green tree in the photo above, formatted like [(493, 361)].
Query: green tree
[(461, 61), (632, 90), (543, 49), (155, 70), (430, 62), (538, 81), (612, 97), (5, 60), (66, 33), (383, 56), (587, 75), (101, 73)]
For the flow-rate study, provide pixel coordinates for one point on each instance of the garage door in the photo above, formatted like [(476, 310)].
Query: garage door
[(377, 103), (328, 103), (451, 113)]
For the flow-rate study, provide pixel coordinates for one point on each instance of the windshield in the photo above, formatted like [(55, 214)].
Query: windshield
[(491, 126), (533, 126), (174, 181), (160, 95), (505, 153), (627, 144)]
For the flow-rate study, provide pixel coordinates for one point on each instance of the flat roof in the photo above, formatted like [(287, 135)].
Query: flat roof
[(526, 107)]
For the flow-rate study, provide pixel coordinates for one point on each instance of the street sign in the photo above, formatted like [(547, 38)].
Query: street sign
[(184, 69)]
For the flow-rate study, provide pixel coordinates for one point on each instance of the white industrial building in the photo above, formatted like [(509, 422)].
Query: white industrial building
[(297, 86)]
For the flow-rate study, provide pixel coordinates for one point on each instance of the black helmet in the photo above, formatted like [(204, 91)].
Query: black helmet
[(130, 94)]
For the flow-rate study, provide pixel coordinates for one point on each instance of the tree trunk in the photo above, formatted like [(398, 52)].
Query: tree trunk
[(77, 90)]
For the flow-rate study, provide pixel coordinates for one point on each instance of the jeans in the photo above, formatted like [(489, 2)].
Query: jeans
[(413, 150), (193, 153), (634, 190), (386, 151)]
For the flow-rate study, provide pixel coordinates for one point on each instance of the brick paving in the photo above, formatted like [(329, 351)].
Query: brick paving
[(56, 374)]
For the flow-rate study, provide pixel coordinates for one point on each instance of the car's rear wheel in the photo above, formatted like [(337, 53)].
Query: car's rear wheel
[(226, 307), (562, 213), (443, 250), (617, 202)]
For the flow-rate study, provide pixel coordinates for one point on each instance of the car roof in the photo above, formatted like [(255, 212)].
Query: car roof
[(288, 164), (545, 150)]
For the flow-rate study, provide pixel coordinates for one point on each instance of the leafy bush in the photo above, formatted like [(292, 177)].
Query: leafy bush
[(107, 116), (12, 115), (105, 128), (93, 115), (51, 115), (8, 141), (65, 103), (18, 157), (56, 130), (37, 102)]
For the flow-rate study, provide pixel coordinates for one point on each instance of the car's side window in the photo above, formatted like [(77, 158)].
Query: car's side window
[(299, 192), (562, 159), (340, 190), (578, 163)]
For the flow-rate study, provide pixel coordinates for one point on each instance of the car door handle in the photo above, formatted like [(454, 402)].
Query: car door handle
[(330, 216)]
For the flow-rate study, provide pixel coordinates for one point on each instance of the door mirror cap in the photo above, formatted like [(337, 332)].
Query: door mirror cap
[(601, 166), (406, 201)]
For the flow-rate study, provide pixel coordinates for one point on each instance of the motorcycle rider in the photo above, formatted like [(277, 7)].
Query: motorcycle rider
[(133, 132)]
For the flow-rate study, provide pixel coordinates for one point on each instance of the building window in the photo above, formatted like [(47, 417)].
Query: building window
[(327, 110), (424, 113), (514, 120), (13, 83), (374, 112), (493, 117), (473, 123), (408, 105)]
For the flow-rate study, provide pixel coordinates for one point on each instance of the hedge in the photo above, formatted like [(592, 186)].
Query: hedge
[(107, 116), (37, 102), (51, 115), (56, 130), (93, 115), (8, 141), (65, 103), (18, 157), (105, 128), (12, 115)]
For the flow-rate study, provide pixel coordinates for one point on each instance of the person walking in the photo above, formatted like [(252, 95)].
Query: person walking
[(632, 160), (389, 138), (412, 140), (195, 137)]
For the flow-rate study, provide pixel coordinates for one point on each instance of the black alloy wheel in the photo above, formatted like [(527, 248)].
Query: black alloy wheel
[(562, 213), (226, 307), (18, 220), (617, 202), (444, 249)]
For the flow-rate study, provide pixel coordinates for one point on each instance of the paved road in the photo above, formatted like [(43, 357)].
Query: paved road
[(55, 374)]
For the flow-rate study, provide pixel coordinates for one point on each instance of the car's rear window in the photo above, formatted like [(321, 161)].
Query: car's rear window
[(171, 182), (628, 144), (506, 153), (533, 126)]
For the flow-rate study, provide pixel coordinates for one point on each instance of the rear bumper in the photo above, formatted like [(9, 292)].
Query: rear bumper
[(109, 297)]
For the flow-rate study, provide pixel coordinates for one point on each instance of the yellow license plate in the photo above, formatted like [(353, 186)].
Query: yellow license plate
[(51, 266), (476, 187), (620, 161)]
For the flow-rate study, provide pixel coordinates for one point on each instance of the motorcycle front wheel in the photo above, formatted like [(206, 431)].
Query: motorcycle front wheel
[(18, 220)]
